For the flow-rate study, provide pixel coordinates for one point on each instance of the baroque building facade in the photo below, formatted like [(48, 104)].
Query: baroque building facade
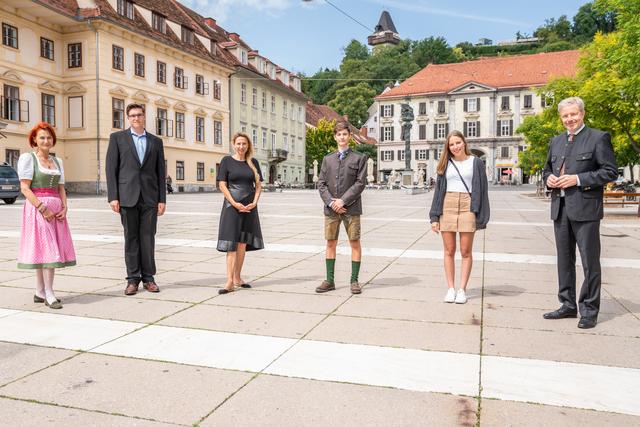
[(486, 99)]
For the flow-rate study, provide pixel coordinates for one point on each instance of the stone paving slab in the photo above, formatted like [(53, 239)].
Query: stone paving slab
[(19, 360)]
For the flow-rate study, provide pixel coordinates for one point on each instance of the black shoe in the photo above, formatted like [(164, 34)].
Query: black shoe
[(224, 291), (561, 313), (587, 322)]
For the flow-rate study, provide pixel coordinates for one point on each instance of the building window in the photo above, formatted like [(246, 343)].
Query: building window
[(179, 170), (76, 112), (284, 108), (158, 22), (387, 156), (264, 100), (471, 129), (9, 35), (422, 108), (401, 155), (187, 35), (293, 145), (273, 140), (243, 57), (217, 89), (254, 137), (504, 103), (254, 97), (49, 109), (74, 55), (387, 111), (46, 48), (125, 8), (200, 171), (273, 104), (200, 129), (117, 113), (505, 152), (387, 133), (202, 88), (243, 93), (179, 79), (179, 125), (161, 72), (243, 127), (300, 116), (117, 58), (471, 105), (505, 127), (11, 157), (528, 101), (422, 132), (264, 139), (441, 130), (164, 126), (441, 107), (11, 103), (285, 142), (217, 132), (422, 154), (139, 64)]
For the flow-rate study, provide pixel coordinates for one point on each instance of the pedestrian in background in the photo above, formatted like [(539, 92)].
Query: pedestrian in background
[(460, 205)]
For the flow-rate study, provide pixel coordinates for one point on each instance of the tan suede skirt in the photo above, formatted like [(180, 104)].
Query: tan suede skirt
[(456, 213)]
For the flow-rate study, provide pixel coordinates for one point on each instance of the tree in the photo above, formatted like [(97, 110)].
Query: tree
[(554, 30), (354, 102), (588, 21), (321, 87), (319, 142), (356, 50), (432, 50), (369, 150)]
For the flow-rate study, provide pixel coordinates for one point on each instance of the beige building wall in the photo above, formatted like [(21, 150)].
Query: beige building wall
[(84, 115)]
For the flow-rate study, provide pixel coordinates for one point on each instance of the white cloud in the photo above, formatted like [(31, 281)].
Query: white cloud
[(422, 7), (220, 10)]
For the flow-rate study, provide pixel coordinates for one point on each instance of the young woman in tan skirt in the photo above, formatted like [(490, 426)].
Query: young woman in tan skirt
[(460, 205)]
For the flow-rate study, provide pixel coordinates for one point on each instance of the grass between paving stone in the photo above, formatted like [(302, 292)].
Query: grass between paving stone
[(479, 410)]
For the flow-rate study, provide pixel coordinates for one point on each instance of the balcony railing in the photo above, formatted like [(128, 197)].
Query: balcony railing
[(14, 109), (278, 155)]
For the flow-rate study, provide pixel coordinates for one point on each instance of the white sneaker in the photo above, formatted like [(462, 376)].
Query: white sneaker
[(461, 297), (451, 295)]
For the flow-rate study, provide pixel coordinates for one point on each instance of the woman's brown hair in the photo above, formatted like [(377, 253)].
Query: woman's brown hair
[(446, 153), (249, 154)]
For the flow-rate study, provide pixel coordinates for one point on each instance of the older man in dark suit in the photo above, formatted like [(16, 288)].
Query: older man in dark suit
[(136, 189), (580, 162), (342, 180)]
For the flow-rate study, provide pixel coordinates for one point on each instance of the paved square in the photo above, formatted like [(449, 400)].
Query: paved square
[(279, 354)]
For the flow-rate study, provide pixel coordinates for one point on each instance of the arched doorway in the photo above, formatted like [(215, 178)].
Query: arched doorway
[(479, 153)]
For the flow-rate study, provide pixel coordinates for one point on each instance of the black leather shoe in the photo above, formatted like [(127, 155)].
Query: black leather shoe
[(587, 322), (561, 313)]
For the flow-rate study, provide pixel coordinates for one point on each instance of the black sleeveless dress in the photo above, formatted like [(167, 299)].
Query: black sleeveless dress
[(236, 227)]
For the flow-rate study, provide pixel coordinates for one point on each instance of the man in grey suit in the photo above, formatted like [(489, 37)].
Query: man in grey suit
[(136, 190), (580, 162), (341, 182)]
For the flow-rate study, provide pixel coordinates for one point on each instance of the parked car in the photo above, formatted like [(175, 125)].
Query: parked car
[(9, 184)]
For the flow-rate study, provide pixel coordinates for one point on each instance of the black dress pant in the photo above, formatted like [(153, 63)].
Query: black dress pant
[(139, 224), (586, 234)]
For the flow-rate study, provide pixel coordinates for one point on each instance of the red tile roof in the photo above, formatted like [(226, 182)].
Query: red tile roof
[(502, 72), (315, 112)]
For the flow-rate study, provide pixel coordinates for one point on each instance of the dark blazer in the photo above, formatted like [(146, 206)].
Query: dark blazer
[(479, 195), (127, 179), (344, 180), (591, 157)]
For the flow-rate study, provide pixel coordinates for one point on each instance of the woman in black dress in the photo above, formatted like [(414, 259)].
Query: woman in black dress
[(239, 179)]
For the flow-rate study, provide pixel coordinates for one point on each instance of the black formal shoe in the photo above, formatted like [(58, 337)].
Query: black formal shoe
[(587, 322), (243, 285), (224, 291), (561, 313)]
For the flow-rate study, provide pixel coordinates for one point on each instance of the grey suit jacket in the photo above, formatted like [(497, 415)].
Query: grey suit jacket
[(591, 157), (343, 179), (127, 179)]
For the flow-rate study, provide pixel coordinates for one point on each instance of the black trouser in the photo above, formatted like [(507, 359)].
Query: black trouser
[(139, 224), (586, 234)]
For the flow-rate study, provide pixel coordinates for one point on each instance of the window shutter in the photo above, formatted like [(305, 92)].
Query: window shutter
[(498, 129), (464, 127), (465, 106), (446, 129), (417, 154), (477, 104), (399, 155), (392, 128), (391, 110), (381, 134), (435, 131), (391, 155), (382, 111), (510, 127), (478, 129)]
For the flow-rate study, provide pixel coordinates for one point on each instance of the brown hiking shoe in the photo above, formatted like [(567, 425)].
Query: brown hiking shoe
[(326, 287), (355, 288)]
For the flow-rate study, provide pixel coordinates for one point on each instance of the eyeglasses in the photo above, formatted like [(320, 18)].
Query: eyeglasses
[(134, 116)]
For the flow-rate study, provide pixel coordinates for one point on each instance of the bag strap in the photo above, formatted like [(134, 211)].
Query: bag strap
[(460, 175)]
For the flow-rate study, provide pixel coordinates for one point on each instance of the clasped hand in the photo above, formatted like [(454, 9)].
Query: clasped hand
[(338, 206), (244, 208), (563, 181)]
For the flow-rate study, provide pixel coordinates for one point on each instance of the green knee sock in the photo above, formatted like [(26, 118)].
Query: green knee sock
[(331, 266), (355, 270)]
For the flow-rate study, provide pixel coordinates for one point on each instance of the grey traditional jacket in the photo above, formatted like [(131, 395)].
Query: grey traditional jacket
[(343, 179), (479, 195)]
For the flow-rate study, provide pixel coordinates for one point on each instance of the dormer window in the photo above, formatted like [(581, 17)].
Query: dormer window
[(125, 8), (285, 78), (187, 35), (243, 57), (158, 22)]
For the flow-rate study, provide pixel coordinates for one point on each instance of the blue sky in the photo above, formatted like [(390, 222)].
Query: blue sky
[(307, 36)]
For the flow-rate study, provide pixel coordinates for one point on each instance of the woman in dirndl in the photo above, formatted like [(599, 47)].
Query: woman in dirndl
[(45, 241), (460, 205)]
